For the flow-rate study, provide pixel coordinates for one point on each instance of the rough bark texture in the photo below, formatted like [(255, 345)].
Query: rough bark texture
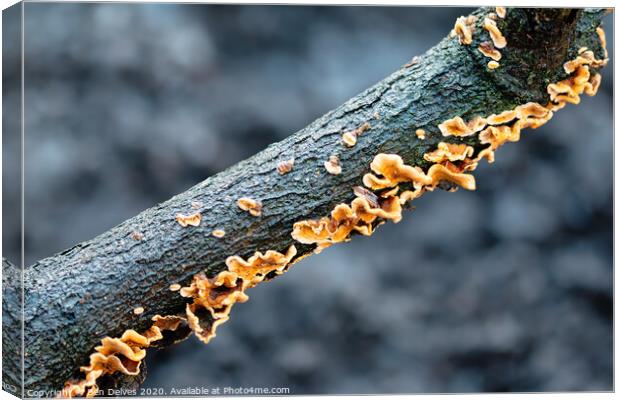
[(75, 298)]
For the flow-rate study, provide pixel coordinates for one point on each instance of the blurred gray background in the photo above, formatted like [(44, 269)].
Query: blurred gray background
[(508, 288)]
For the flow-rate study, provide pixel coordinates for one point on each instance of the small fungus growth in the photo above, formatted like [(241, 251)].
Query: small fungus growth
[(492, 65), (463, 29), (333, 165), (218, 233), (420, 133), (138, 310), (136, 235), (187, 220), (284, 167), (349, 138), (496, 35), (175, 287), (487, 49), (254, 207), (500, 11)]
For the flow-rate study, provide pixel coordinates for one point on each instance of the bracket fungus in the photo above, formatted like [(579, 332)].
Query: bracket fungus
[(457, 127), (496, 35), (463, 29), (187, 220), (420, 133), (500, 12), (487, 49), (449, 152), (254, 207), (393, 171), (345, 219)]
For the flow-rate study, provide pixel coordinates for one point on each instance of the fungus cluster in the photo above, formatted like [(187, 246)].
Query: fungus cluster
[(381, 200), (214, 297), (580, 80), (254, 207), (497, 129), (124, 355), (489, 49), (368, 209), (349, 138), (345, 219)]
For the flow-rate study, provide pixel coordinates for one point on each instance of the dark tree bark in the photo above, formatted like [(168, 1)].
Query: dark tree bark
[(75, 298)]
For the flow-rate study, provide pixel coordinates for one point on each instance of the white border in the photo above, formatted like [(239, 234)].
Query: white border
[(549, 3)]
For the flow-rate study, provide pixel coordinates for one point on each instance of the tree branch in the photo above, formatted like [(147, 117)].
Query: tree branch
[(77, 297)]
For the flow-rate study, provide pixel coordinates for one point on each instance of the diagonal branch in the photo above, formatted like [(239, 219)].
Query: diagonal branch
[(90, 291)]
